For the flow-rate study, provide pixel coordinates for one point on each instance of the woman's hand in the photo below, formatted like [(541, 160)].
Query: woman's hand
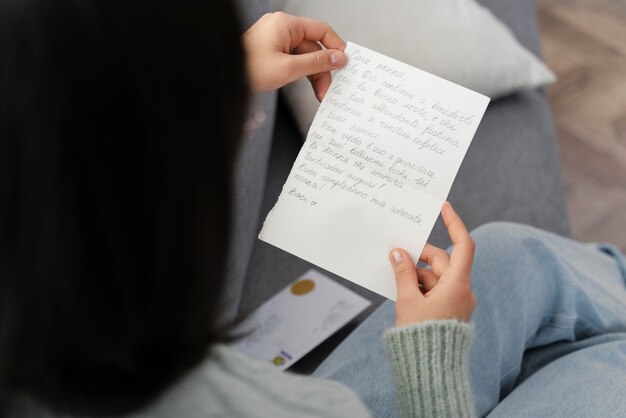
[(281, 48), (445, 291)]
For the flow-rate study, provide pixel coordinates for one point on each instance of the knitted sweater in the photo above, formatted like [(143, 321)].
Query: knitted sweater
[(430, 365), (429, 362)]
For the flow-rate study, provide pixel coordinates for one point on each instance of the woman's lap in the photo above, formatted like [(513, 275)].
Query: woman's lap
[(535, 291), (587, 382), (360, 362)]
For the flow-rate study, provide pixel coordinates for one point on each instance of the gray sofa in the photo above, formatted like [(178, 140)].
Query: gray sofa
[(511, 172)]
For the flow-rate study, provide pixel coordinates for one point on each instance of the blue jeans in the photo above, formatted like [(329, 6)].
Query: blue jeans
[(549, 331)]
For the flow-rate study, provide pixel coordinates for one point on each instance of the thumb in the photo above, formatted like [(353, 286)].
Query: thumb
[(316, 62), (406, 274)]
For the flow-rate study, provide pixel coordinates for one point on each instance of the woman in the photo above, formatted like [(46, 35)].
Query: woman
[(118, 125)]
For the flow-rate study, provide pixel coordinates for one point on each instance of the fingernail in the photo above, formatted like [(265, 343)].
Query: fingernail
[(337, 58), (396, 255)]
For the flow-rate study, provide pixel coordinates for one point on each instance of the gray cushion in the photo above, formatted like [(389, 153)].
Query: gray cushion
[(521, 17), (511, 171)]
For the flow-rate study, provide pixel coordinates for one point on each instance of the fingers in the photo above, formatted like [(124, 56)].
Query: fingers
[(303, 28), (319, 81), (272, 41), (311, 59), (406, 274), (306, 47), (462, 255), (320, 61), (427, 279), (437, 258)]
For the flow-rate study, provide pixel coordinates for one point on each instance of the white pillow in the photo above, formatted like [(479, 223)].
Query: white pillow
[(458, 40)]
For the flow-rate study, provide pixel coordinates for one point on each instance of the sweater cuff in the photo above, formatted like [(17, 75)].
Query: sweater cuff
[(430, 363)]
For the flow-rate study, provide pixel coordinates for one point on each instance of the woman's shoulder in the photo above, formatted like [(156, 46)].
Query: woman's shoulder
[(228, 383)]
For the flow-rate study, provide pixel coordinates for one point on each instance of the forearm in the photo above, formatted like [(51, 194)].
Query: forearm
[(430, 364)]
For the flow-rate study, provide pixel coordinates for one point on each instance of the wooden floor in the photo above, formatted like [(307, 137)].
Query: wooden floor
[(584, 43)]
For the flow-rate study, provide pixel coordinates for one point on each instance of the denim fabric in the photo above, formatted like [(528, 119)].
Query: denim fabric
[(549, 330)]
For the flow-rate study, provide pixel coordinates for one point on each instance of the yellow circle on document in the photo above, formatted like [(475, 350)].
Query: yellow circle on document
[(302, 287)]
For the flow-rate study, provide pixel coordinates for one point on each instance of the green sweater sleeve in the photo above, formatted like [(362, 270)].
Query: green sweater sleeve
[(430, 364)]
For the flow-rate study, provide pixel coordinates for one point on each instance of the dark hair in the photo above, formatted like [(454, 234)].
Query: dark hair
[(118, 126)]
